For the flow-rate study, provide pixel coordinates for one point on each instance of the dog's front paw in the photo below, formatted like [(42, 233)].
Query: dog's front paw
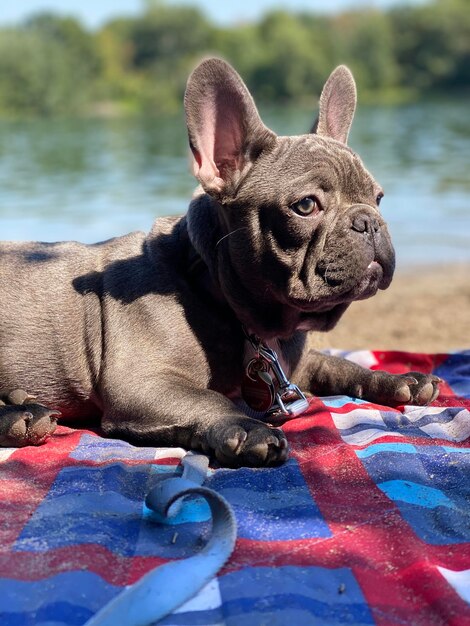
[(247, 442), (23, 422), (409, 388)]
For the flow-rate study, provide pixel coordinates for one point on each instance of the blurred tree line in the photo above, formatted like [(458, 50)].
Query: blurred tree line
[(52, 65)]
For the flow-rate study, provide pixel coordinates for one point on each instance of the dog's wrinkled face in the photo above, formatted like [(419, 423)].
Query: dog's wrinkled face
[(299, 233)]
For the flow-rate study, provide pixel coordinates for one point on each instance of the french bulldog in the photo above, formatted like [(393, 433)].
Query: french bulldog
[(152, 333)]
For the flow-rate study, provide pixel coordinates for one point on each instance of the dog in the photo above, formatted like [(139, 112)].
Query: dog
[(157, 335)]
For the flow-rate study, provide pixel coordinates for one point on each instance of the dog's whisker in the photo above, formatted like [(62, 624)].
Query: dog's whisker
[(230, 233)]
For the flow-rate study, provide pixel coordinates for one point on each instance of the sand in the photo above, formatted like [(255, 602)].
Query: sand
[(426, 310)]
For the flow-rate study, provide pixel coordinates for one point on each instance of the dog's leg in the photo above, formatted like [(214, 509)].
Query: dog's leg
[(323, 374), (23, 422), (197, 419)]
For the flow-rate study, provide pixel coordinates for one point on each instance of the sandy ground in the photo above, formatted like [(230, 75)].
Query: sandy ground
[(427, 310)]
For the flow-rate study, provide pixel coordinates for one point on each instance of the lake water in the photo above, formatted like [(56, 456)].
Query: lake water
[(89, 180)]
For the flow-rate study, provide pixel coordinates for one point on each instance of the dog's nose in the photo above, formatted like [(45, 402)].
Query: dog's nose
[(365, 223)]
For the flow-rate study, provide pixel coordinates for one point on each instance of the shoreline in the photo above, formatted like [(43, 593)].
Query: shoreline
[(425, 309)]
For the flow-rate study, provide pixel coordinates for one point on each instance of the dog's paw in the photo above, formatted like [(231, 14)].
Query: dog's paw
[(409, 388), (23, 422), (248, 443)]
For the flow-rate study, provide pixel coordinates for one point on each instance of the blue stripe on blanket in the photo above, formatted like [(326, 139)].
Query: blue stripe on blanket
[(271, 504), (337, 402), (72, 598), (404, 448), (292, 595), (114, 494), (431, 488), (456, 372), (413, 493), (116, 491), (456, 450)]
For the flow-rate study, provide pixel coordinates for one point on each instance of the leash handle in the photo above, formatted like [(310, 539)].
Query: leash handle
[(165, 588)]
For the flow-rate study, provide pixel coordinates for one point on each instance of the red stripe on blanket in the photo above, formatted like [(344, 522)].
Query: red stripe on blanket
[(113, 568), (23, 487)]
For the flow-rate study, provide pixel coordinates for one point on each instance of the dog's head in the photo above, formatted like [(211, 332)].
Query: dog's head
[(289, 226)]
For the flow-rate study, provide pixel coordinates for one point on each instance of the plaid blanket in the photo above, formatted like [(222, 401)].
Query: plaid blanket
[(368, 522)]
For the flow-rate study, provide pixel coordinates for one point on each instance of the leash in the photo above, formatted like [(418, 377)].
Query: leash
[(167, 587)]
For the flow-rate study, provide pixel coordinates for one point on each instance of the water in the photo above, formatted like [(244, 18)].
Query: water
[(89, 180)]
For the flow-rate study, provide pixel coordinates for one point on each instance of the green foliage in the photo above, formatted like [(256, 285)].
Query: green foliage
[(432, 45), (73, 39), (164, 34), (35, 76), (290, 66), (46, 67), (52, 65), (366, 39)]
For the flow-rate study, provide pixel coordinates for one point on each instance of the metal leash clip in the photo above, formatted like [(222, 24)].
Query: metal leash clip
[(290, 401)]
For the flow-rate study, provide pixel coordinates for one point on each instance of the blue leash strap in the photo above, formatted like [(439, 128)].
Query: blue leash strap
[(167, 587)]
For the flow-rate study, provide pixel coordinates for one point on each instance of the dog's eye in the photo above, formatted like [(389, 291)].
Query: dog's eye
[(307, 206), (379, 198)]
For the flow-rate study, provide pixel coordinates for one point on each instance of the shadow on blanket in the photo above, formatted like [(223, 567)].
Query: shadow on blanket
[(368, 522)]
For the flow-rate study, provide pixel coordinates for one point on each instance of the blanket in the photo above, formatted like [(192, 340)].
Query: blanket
[(368, 522)]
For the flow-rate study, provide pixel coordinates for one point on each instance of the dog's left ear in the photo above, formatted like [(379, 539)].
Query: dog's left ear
[(226, 133), (337, 105)]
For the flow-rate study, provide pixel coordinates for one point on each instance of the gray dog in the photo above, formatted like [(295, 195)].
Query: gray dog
[(159, 335)]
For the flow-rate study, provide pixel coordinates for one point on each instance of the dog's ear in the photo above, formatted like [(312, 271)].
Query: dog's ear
[(225, 130), (337, 105)]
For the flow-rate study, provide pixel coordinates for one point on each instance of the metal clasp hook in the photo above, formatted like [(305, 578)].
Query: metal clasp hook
[(290, 401)]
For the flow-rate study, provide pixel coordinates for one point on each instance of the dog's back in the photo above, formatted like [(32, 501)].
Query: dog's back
[(50, 332)]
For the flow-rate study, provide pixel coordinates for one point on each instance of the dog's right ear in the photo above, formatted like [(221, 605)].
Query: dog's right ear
[(226, 133)]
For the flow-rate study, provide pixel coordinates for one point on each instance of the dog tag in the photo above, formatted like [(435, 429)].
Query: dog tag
[(258, 389)]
